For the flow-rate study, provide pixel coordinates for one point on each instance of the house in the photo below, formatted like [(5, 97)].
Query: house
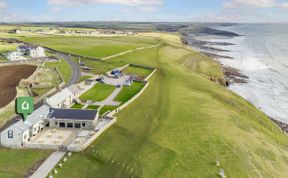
[(32, 51), (19, 132), (64, 98), (14, 56), (37, 52), (72, 118)]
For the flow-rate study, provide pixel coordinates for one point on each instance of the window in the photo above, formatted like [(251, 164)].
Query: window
[(69, 125), (83, 124), (62, 124), (56, 123), (47, 124), (10, 133), (77, 125)]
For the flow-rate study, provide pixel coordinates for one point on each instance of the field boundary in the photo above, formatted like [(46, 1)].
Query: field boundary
[(130, 51)]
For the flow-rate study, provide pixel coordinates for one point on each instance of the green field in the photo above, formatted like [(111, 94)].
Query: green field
[(84, 77), (77, 106), (92, 107), (16, 163), (98, 93), (63, 67), (92, 46), (106, 108), (139, 71), (127, 92), (181, 125)]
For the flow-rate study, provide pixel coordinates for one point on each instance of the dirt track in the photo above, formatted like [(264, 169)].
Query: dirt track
[(10, 77)]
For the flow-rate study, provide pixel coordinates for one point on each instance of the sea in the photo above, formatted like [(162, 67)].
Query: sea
[(261, 53)]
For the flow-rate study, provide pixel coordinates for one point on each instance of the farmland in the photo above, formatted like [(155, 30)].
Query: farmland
[(10, 77), (181, 125), (92, 46)]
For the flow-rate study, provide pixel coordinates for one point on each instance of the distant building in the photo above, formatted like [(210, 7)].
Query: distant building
[(32, 51), (72, 118), (14, 56)]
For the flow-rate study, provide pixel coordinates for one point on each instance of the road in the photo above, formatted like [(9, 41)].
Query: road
[(76, 72)]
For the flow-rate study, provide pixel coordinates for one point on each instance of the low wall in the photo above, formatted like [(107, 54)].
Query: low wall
[(41, 146), (78, 148), (112, 113)]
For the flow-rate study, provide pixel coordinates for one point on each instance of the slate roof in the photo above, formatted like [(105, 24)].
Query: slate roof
[(39, 114), (59, 97), (73, 114)]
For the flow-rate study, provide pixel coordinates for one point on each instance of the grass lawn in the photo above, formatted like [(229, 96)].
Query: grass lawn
[(85, 77), (77, 106), (92, 107), (106, 108), (16, 163), (98, 93), (127, 92), (63, 67), (181, 125), (92, 46), (139, 71)]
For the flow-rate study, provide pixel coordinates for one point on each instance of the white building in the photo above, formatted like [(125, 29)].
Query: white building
[(32, 51), (64, 98), (19, 132), (14, 56), (37, 52)]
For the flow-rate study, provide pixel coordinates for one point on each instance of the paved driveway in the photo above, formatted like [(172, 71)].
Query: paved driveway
[(48, 165)]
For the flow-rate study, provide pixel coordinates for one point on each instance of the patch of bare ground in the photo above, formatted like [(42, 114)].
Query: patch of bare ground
[(10, 77)]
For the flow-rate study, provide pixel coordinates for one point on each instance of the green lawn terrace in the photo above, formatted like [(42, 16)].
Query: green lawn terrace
[(98, 92), (94, 47), (138, 71), (127, 92)]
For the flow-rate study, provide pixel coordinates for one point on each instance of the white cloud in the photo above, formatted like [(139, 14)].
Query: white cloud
[(255, 3), (3, 5), (121, 2), (148, 9), (250, 3)]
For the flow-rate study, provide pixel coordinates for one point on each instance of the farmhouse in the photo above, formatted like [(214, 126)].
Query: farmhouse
[(14, 55), (64, 98), (33, 51), (72, 118)]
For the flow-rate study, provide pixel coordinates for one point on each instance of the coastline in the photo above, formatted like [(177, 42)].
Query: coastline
[(231, 74)]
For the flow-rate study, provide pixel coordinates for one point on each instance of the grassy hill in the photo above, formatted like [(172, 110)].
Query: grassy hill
[(181, 125)]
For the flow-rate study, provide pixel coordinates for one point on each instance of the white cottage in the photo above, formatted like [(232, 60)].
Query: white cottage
[(37, 52), (17, 133), (14, 56), (64, 98)]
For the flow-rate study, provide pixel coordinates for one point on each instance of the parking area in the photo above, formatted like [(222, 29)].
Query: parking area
[(116, 81)]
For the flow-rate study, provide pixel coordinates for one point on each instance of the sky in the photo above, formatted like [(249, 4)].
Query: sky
[(251, 11)]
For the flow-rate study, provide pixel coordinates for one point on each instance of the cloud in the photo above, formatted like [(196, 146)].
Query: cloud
[(120, 2), (255, 4), (250, 3), (148, 9), (3, 5)]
